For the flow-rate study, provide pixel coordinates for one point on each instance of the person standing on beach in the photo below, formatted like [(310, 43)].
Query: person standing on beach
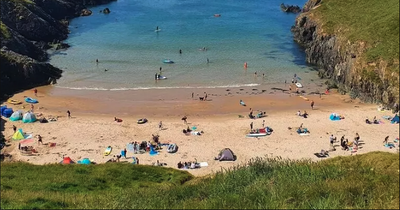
[(205, 96), (15, 128), (32, 107), (68, 114), (156, 76), (312, 104), (125, 152), (40, 139), (251, 126), (35, 91), (184, 118), (192, 94), (160, 125)]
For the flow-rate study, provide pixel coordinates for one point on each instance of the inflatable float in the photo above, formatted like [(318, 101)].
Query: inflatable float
[(217, 15), (107, 151), (142, 121), (299, 85), (13, 101), (168, 61), (31, 100)]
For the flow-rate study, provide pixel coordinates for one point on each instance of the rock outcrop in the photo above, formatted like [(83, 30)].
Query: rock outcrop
[(86, 12), (28, 28), (343, 63), (106, 11), (290, 8)]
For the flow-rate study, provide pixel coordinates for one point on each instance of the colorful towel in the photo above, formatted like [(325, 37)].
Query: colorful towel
[(26, 141)]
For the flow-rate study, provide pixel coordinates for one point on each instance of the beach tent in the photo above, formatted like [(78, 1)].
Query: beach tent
[(226, 155), (2, 108), (29, 117), (84, 161), (395, 119), (17, 115), (7, 112), (67, 160), (18, 135)]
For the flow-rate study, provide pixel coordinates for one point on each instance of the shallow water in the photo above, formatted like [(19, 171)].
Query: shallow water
[(126, 44)]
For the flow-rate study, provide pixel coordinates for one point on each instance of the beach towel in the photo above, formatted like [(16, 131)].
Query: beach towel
[(389, 145), (153, 151), (26, 141), (203, 164), (129, 147), (321, 155), (334, 117)]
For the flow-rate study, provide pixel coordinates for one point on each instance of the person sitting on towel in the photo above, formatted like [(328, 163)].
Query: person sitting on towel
[(376, 121), (305, 115), (367, 121), (298, 113), (193, 165)]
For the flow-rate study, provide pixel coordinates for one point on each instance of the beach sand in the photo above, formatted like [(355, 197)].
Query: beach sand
[(92, 128)]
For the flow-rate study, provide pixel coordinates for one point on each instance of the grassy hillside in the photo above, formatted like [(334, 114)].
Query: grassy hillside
[(362, 181), (374, 22)]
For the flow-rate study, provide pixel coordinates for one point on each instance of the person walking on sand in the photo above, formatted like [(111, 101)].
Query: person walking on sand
[(251, 126), (68, 114), (184, 118), (160, 125), (192, 94), (205, 97), (15, 128), (35, 91), (125, 153), (312, 104), (386, 140), (40, 139)]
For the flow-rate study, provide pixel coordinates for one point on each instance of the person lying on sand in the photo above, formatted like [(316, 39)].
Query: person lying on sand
[(117, 119)]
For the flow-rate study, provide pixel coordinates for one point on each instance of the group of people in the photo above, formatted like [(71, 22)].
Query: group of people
[(344, 143), (188, 165), (305, 114), (374, 121)]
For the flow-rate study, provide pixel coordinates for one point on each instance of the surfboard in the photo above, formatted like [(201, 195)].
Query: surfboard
[(107, 151), (157, 30)]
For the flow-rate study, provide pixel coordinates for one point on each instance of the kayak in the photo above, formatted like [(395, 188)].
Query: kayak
[(299, 85), (107, 151), (142, 121), (167, 61), (12, 101), (31, 100)]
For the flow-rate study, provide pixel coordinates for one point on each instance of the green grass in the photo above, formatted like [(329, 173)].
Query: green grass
[(372, 21), (362, 181)]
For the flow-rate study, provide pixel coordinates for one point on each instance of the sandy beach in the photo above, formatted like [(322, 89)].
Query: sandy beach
[(92, 127)]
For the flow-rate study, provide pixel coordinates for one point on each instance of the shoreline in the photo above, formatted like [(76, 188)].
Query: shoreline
[(92, 128)]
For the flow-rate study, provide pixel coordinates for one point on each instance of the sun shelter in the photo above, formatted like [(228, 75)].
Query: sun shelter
[(334, 117), (17, 115), (84, 161), (67, 160), (395, 119), (18, 135), (226, 155), (153, 151), (7, 112), (29, 117)]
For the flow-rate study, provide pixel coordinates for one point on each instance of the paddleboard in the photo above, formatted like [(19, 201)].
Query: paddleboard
[(107, 151), (157, 30)]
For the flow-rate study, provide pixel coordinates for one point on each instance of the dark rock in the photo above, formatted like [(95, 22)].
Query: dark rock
[(86, 12), (290, 8), (106, 11)]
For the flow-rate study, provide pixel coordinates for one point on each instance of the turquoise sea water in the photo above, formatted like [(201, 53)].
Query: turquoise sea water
[(125, 43)]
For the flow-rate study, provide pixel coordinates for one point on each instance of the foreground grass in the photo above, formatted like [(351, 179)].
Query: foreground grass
[(362, 181), (374, 22)]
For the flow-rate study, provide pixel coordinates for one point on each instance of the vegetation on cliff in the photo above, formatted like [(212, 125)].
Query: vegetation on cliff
[(362, 181), (356, 44), (372, 22)]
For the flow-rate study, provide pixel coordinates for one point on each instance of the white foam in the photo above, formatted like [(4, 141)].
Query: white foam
[(158, 88)]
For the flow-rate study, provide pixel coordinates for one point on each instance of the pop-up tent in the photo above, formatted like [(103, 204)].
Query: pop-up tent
[(84, 161), (226, 155), (395, 119), (67, 160), (17, 115), (7, 112), (29, 117), (18, 135)]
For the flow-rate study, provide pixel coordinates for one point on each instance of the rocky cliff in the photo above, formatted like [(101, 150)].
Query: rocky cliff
[(343, 58), (28, 28)]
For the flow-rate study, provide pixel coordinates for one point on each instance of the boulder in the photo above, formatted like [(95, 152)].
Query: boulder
[(86, 12), (106, 11), (290, 8)]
